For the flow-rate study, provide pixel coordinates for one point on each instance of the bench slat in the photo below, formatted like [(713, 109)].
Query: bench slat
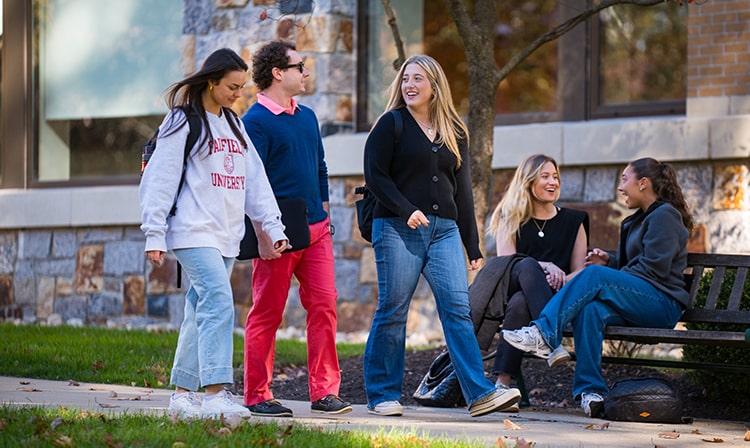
[(715, 290), (737, 289), (657, 335), (697, 315)]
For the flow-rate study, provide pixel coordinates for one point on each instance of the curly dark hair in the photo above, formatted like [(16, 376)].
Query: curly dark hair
[(273, 54)]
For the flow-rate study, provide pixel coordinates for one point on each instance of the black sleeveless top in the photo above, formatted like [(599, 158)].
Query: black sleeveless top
[(559, 237)]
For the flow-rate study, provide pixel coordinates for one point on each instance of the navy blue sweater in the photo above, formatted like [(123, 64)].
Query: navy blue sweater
[(292, 152), (417, 174)]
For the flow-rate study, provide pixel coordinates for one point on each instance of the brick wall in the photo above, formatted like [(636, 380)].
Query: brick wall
[(718, 48)]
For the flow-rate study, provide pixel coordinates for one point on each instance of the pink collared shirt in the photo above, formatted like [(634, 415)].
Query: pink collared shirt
[(276, 109)]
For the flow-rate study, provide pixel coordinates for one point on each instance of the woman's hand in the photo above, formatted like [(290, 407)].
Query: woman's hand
[(555, 276), (155, 256), (417, 219), (597, 256), (475, 264)]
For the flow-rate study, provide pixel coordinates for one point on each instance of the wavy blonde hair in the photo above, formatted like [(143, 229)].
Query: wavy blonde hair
[(443, 113), (516, 208)]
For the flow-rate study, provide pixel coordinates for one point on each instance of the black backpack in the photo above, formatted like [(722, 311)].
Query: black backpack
[(194, 124), (366, 205), (649, 400)]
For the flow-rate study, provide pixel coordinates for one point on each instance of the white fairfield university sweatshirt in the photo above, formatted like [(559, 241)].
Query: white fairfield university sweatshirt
[(223, 182)]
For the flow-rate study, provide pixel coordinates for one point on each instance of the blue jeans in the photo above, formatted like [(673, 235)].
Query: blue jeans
[(599, 296), (401, 255), (204, 348)]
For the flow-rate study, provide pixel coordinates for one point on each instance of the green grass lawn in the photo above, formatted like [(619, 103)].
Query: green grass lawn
[(100, 355)]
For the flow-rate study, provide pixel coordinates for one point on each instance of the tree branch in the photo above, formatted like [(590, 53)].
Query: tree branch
[(563, 28), (393, 23)]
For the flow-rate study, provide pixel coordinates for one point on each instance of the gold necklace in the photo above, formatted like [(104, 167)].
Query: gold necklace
[(541, 229)]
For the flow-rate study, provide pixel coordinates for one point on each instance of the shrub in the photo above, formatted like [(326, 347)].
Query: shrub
[(729, 386)]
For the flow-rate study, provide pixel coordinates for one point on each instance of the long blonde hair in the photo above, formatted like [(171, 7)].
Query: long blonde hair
[(443, 113), (517, 207)]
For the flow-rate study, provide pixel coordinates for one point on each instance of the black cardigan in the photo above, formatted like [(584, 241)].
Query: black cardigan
[(416, 174)]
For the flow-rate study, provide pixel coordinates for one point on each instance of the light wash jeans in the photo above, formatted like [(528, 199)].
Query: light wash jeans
[(599, 296), (204, 348), (401, 255)]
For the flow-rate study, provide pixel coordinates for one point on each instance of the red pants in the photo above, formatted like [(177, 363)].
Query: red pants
[(313, 268)]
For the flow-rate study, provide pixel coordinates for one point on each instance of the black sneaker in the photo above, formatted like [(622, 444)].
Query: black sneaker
[(331, 404), (270, 408)]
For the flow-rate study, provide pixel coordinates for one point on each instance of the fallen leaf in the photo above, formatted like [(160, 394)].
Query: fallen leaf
[(669, 435), (73, 383), (30, 389), (594, 426), (500, 444), (510, 425), (714, 440), (63, 441), (696, 431), (224, 431), (98, 364), (25, 382), (112, 394), (747, 435), (107, 405)]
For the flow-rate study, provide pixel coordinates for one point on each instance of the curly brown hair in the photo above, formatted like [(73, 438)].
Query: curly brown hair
[(273, 54)]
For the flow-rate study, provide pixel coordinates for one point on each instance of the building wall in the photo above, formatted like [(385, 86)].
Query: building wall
[(75, 255)]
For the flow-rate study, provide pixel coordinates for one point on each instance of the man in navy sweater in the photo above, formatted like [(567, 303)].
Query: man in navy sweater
[(287, 138)]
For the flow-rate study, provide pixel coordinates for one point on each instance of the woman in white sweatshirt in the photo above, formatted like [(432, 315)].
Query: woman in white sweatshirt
[(199, 216)]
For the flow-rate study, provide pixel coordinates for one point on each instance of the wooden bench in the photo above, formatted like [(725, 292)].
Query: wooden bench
[(711, 312)]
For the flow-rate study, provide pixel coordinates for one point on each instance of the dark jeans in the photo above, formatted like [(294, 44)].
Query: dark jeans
[(529, 292)]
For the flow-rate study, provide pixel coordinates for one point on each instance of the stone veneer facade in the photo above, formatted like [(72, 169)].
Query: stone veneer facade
[(98, 275)]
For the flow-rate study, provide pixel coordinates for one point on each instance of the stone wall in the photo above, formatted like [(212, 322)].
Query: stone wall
[(99, 276)]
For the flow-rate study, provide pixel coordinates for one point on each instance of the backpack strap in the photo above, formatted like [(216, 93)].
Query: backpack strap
[(398, 125), (194, 124)]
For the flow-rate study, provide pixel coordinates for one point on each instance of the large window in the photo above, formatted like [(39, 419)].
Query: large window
[(627, 61), (103, 67)]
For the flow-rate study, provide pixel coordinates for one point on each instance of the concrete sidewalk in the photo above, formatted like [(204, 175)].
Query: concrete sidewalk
[(547, 429)]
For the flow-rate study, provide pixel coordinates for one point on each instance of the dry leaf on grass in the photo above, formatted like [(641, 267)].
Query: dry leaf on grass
[(517, 442), (669, 435), (510, 425)]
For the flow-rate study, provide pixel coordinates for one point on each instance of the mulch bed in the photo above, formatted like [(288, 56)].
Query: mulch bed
[(549, 388)]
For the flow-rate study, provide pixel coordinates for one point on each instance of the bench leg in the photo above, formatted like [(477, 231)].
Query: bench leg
[(524, 403)]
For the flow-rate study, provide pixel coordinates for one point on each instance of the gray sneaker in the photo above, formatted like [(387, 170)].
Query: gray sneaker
[(558, 356), (184, 405), (387, 408), (497, 400), (592, 404), (528, 339)]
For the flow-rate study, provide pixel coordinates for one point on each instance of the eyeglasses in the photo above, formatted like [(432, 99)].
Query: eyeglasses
[(299, 65)]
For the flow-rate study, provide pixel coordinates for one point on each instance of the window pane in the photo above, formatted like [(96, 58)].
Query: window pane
[(643, 54), (102, 69), (428, 27)]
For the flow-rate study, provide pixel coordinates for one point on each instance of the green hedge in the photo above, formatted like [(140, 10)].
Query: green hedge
[(724, 386)]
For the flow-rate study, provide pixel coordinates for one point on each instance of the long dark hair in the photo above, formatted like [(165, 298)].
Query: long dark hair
[(187, 94), (664, 181)]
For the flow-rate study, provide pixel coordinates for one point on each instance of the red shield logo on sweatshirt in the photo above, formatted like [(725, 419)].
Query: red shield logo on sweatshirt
[(228, 163)]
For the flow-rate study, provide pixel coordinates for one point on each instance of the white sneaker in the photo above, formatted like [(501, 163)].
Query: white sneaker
[(387, 408), (528, 339), (185, 405), (592, 404), (558, 356), (501, 398), (222, 403)]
